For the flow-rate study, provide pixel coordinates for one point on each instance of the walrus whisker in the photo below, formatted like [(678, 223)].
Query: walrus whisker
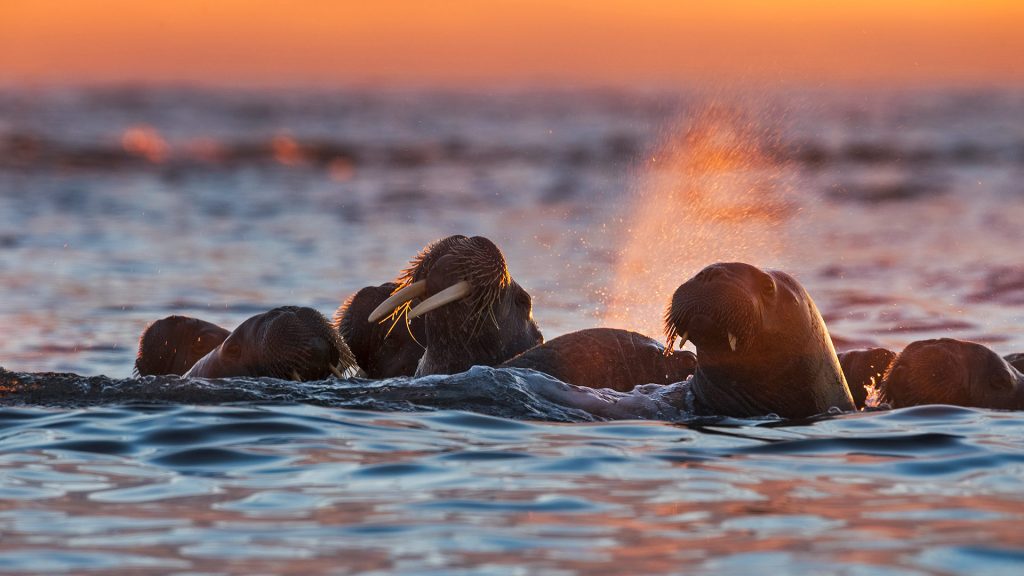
[(670, 344), (453, 293), (401, 296), (396, 316), (408, 328)]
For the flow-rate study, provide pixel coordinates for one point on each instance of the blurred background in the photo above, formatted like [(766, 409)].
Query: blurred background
[(219, 158)]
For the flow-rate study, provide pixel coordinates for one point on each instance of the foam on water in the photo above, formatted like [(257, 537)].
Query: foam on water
[(506, 392)]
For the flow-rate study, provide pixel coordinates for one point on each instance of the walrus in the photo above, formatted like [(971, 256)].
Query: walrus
[(173, 344), (389, 346), (473, 312), (948, 371), (290, 343), (864, 369), (1016, 360), (382, 349), (762, 346), (606, 358)]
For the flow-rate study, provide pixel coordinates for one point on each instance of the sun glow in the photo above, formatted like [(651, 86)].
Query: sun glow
[(519, 41)]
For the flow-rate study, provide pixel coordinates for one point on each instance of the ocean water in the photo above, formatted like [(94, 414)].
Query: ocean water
[(899, 211)]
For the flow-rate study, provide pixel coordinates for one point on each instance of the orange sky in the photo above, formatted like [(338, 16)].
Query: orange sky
[(482, 42)]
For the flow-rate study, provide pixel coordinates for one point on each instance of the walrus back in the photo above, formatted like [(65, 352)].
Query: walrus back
[(606, 358)]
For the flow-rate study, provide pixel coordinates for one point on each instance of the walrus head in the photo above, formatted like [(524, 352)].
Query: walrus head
[(382, 349), (762, 346), (173, 344), (290, 342), (473, 311), (948, 371)]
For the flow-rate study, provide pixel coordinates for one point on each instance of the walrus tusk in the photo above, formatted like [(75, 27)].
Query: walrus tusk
[(682, 339), (295, 376), (455, 292), (732, 341), (414, 290), (337, 372)]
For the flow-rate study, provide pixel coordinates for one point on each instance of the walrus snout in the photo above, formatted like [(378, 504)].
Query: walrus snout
[(451, 270), (304, 345), (321, 352), (460, 292), (719, 308), (704, 331)]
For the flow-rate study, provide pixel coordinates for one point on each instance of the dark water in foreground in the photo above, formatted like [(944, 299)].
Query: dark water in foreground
[(900, 212), (293, 488)]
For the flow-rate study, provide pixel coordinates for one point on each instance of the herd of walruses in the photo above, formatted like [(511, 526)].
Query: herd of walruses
[(762, 346)]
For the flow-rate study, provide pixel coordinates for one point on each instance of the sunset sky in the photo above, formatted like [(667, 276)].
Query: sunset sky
[(500, 42)]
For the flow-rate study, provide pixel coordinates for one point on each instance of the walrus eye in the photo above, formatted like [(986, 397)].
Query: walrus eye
[(768, 287)]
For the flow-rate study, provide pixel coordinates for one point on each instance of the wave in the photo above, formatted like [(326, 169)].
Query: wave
[(515, 393)]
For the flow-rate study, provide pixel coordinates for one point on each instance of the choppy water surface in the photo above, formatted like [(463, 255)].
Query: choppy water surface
[(900, 212), (299, 489)]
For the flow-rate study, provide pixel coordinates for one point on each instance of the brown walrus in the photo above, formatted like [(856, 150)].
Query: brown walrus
[(1016, 360), (173, 344), (382, 349), (948, 371), (864, 369), (607, 358), (290, 342), (473, 312), (762, 346), (391, 344)]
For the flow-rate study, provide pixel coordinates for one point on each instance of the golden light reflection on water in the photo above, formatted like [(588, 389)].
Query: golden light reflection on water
[(710, 193), (145, 141)]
